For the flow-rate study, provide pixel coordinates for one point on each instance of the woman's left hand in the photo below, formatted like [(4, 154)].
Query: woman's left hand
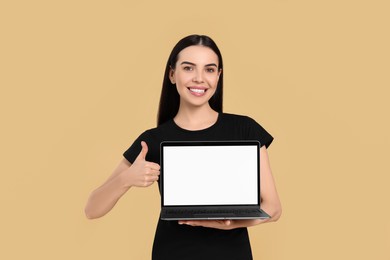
[(219, 224)]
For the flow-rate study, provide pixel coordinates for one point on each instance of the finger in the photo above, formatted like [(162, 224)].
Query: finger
[(144, 151), (153, 166), (152, 172), (194, 223), (151, 178), (190, 223)]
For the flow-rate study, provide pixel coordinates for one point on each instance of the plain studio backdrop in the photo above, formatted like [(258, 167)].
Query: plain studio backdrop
[(80, 80)]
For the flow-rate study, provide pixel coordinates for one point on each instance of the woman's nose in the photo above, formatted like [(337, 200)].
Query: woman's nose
[(198, 77)]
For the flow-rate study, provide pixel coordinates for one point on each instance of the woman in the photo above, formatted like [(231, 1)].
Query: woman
[(191, 109)]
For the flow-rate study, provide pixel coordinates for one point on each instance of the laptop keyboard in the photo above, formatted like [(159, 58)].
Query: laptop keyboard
[(216, 211)]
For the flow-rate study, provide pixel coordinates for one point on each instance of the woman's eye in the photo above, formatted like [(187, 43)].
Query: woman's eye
[(211, 70), (187, 68)]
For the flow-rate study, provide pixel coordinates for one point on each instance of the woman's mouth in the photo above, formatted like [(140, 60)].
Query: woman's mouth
[(197, 91)]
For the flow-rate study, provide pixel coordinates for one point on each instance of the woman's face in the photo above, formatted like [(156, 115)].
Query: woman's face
[(196, 75)]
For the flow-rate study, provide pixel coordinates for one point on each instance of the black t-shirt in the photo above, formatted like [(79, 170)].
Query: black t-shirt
[(173, 241)]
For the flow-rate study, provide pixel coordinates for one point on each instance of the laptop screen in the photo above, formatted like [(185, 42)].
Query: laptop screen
[(210, 173)]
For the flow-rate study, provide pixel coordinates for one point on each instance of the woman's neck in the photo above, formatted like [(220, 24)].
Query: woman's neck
[(196, 118)]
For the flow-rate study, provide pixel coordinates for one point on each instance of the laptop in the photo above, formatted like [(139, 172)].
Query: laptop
[(210, 180)]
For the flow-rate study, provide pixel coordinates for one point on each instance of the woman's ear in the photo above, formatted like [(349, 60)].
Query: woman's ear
[(172, 75), (219, 72)]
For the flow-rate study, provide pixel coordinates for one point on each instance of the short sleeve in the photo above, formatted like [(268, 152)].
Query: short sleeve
[(134, 150), (257, 132)]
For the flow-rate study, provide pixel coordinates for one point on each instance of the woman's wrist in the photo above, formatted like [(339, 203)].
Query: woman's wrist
[(125, 179)]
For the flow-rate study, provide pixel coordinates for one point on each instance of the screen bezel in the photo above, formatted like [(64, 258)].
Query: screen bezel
[(209, 143)]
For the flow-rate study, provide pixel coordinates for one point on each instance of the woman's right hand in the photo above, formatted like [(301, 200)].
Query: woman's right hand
[(142, 173)]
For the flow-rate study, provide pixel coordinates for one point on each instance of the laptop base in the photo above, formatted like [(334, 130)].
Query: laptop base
[(173, 213)]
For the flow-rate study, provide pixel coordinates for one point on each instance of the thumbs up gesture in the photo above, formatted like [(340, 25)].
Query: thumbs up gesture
[(143, 173)]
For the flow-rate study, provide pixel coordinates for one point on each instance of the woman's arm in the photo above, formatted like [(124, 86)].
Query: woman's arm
[(270, 202), (104, 198), (141, 174)]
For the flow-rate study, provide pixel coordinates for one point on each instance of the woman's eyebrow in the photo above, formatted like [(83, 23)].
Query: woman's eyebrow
[(193, 64)]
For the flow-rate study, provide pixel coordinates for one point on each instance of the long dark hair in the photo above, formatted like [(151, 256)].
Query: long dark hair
[(170, 99)]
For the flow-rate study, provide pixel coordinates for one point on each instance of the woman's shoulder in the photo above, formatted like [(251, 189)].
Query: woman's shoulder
[(247, 127), (158, 130), (240, 121), (236, 118)]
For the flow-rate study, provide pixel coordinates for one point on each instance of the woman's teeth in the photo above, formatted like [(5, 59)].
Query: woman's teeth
[(196, 90)]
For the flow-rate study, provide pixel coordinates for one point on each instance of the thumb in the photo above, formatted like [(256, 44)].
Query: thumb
[(144, 151)]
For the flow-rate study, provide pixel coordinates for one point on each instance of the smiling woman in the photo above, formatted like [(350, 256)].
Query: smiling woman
[(191, 110)]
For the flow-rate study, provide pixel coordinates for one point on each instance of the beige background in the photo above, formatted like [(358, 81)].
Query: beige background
[(80, 80)]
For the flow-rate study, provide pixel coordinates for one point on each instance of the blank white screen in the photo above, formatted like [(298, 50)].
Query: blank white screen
[(210, 175)]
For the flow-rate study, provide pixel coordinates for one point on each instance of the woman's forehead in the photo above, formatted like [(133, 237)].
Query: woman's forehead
[(198, 54)]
